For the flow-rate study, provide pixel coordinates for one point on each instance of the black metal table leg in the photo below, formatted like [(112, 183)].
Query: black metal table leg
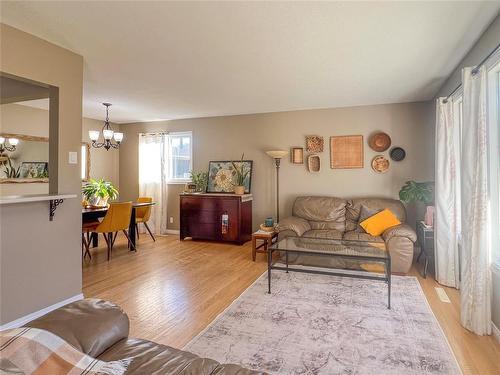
[(95, 239), (426, 264), (388, 268), (269, 261), (131, 229), (286, 257)]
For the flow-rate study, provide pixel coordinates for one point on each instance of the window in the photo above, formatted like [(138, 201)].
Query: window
[(85, 158), (180, 157)]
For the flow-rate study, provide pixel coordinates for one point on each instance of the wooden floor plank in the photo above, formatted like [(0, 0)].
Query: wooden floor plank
[(173, 289)]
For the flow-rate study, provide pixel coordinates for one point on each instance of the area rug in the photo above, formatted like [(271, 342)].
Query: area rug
[(317, 324)]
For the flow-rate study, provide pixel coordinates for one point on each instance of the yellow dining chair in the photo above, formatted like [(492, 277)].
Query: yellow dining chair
[(142, 215), (117, 219)]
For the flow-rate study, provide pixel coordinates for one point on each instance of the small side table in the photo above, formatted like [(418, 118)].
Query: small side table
[(425, 238), (267, 238)]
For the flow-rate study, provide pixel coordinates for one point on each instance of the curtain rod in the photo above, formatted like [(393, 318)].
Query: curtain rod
[(157, 133), (474, 71)]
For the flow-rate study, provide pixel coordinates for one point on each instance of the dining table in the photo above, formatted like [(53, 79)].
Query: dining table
[(90, 214)]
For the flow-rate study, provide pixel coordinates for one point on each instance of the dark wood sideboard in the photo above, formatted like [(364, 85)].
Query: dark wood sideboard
[(201, 217)]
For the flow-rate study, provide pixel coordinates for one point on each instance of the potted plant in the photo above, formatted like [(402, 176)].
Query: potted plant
[(9, 170), (200, 179), (97, 192), (423, 192), (240, 174)]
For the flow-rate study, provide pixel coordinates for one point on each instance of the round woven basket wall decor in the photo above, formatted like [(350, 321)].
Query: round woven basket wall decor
[(379, 142), (397, 154), (380, 164)]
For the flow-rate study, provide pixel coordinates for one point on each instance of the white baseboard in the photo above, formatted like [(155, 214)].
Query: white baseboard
[(173, 231), (495, 331), (28, 318)]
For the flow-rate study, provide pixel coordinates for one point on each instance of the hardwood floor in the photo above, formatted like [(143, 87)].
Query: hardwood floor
[(172, 290)]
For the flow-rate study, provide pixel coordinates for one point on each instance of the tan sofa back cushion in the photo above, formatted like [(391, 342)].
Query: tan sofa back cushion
[(353, 209), (322, 212)]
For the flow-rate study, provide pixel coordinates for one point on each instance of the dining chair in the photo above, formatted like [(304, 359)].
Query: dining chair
[(117, 219), (142, 215), (86, 239)]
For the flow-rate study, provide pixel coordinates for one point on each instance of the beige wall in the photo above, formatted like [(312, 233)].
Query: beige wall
[(103, 164), (40, 260), (223, 138)]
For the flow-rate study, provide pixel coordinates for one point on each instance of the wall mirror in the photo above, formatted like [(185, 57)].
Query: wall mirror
[(26, 117)]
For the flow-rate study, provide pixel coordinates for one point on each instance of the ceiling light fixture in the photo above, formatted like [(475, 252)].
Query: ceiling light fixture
[(107, 133), (11, 146)]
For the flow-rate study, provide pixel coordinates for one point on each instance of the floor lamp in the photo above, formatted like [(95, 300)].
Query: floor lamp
[(277, 155)]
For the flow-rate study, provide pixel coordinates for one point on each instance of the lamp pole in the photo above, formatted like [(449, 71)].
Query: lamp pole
[(278, 162)]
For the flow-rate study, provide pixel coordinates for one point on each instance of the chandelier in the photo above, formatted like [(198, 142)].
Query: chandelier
[(107, 133), (10, 145)]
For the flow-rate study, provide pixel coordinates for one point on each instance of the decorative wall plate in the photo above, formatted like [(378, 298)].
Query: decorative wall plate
[(379, 142), (314, 163), (397, 153), (314, 143), (380, 164)]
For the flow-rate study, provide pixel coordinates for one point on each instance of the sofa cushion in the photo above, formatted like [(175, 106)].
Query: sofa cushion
[(90, 325), (361, 236), (379, 223), (331, 234), (322, 212), (156, 359), (353, 209)]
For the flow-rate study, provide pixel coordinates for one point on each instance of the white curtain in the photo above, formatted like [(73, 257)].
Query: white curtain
[(475, 293), (446, 227), (153, 178)]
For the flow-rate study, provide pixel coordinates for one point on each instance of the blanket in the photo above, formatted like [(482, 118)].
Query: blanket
[(35, 351)]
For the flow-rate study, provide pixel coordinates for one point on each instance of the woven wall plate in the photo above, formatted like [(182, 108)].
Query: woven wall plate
[(379, 142), (314, 163), (380, 164), (397, 154)]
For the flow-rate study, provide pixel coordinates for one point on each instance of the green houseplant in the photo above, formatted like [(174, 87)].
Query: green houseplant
[(97, 192), (200, 179), (10, 171), (423, 192), (241, 173)]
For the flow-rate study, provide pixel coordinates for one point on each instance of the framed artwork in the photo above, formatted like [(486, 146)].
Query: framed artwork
[(222, 176), (297, 155), (34, 169), (346, 152), (314, 144)]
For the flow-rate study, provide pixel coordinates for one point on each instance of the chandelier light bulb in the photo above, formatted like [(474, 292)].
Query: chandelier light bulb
[(13, 141), (107, 134), (118, 137), (94, 135), (2, 140)]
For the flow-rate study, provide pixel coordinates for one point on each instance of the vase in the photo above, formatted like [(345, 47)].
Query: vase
[(429, 216), (239, 190)]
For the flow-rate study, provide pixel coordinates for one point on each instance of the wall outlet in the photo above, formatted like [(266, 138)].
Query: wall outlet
[(73, 157), (171, 220)]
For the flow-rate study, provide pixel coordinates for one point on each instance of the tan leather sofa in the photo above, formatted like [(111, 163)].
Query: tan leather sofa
[(100, 329), (336, 218)]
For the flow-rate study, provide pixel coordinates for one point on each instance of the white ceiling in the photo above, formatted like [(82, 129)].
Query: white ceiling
[(166, 60)]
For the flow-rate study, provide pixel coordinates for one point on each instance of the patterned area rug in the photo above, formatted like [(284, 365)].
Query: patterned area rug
[(316, 324)]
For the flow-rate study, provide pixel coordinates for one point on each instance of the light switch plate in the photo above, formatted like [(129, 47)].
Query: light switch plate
[(73, 157)]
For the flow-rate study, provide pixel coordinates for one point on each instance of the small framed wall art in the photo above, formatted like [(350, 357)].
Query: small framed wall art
[(346, 152), (314, 144), (297, 155)]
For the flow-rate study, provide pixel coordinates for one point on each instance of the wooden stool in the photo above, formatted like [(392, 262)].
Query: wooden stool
[(267, 239)]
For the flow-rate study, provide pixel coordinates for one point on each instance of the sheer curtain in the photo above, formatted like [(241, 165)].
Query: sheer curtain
[(153, 178), (475, 293), (447, 212)]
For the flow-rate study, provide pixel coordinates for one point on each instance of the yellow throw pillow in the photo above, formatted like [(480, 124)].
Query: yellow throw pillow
[(378, 223)]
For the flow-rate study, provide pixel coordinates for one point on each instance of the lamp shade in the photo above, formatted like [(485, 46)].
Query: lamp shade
[(2, 140), (118, 137), (13, 141), (93, 135), (277, 154)]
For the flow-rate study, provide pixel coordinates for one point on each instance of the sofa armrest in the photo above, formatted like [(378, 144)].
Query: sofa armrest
[(90, 325), (294, 223), (402, 230)]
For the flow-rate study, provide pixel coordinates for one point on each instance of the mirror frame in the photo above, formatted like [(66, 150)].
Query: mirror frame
[(24, 137)]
